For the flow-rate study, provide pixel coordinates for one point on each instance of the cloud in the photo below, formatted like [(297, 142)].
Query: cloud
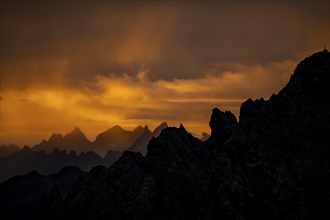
[(135, 100), (47, 42)]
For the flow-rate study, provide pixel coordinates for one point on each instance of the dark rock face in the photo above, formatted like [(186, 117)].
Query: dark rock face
[(272, 164)]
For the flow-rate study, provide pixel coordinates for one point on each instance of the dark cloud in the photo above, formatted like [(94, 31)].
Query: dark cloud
[(171, 39)]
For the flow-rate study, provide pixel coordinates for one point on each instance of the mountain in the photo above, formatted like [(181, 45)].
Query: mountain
[(26, 160), (271, 164), (73, 141), (140, 145), (21, 196), (116, 138), (6, 150)]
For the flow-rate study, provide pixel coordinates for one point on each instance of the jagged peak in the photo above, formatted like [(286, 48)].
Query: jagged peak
[(55, 136), (76, 130), (163, 124), (138, 128), (115, 128), (159, 128), (181, 128)]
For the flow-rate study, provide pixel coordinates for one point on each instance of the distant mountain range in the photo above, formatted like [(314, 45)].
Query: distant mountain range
[(26, 160), (74, 149), (115, 138)]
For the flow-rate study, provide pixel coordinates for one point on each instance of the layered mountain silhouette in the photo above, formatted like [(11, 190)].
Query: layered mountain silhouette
[(140, 145), (73, 141), (272, 164), (115, 139), (73, 149), (26, 160)]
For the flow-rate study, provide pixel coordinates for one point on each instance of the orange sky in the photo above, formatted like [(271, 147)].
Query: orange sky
[(98, 64)]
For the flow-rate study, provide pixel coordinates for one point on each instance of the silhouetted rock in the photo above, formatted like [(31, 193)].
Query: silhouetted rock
[(22, 196)]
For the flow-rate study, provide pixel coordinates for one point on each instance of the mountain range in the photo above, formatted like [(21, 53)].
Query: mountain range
[(115, 139), (271, 164), (59, 151), (26, 160)]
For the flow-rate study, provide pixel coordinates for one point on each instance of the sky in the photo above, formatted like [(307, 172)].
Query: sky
[(97, 64)]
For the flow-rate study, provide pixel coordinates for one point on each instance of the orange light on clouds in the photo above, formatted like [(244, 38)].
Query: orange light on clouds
[(34, 113)]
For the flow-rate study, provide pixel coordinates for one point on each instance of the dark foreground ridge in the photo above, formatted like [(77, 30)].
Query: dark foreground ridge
[(272, 164)]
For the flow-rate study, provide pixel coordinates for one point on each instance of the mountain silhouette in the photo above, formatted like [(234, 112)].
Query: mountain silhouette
[(271, 164), (21, 196), (26, 160), (73, 141), (140, 145), (116, 138)]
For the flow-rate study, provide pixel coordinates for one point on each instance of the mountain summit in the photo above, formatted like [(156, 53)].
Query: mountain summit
[(73, 141)]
